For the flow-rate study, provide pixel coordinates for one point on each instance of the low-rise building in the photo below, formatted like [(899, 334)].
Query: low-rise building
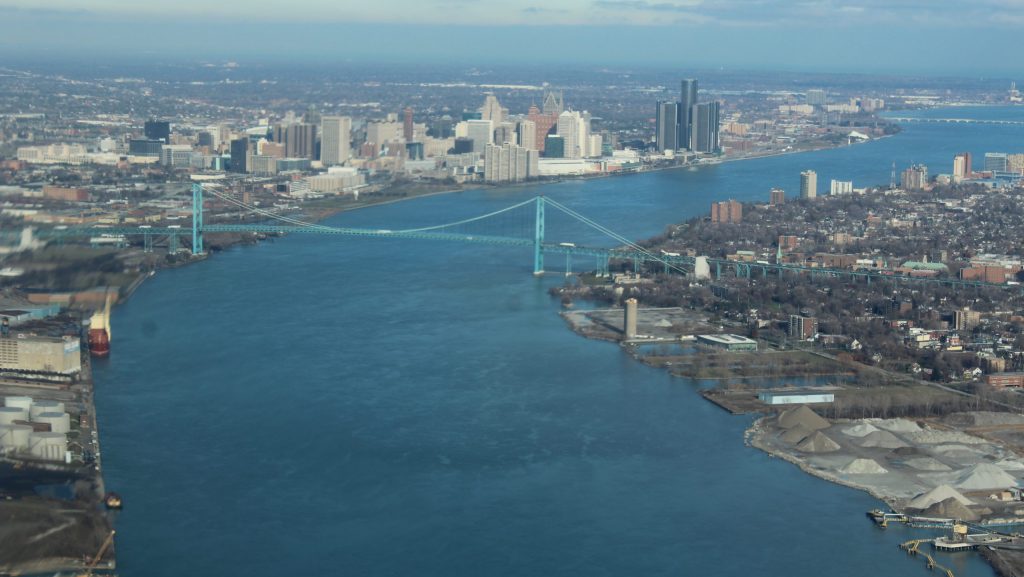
[(728, 342)]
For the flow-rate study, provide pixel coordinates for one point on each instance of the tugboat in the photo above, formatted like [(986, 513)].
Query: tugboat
[(112, 500), (99, 331)]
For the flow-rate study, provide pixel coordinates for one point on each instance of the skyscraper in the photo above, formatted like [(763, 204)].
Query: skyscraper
[(407, 127), (158, 130), (239, 154), (481, 132), (299, 139), (543, 123), (335, 140), (569, 129), (492, 110), (704, 128), (684, 118), (816, 97), (808, 184), (553, 103), (666, 134), (526, 132)]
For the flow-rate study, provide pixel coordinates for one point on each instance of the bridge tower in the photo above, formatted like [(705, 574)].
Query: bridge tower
[(197, 218), (538, 239)]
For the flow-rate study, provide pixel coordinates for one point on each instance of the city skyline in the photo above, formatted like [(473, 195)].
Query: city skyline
[(908, 36)]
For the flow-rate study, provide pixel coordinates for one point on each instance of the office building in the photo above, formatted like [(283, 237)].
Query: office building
[(841, 187), (145, 147), (407, 126), (299, 139), (727, 212), (915, 177), (335, 140), (505, 132), (776, 196), (492, 110), (544, 124), (158, 130), (526, 134), (1015, 163), (554, 146), (481, 132), (816, 97), (568, 128), (684, 118), (240, 155), (808, 184), (705, 128), (667, 123), (996, 162), (554, 103)]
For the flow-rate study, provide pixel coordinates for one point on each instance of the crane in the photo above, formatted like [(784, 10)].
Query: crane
[(99, 555)]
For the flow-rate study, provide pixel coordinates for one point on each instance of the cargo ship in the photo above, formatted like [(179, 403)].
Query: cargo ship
[(99, 331)]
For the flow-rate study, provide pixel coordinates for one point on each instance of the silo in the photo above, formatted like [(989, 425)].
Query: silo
[(48, 446), (14, 438), (21, 402), (630, 320), (10, 414), (40, 407), (59, 422)]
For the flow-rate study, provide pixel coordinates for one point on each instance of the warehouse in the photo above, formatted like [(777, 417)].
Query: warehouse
[(728, 342), (34, 354)]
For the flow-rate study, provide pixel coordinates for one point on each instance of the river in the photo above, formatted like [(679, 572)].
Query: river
[(319, 405)]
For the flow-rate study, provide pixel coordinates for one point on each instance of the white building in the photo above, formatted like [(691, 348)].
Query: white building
[(481, 132), (841, 187), (510, 163), (335, 140), (569, 129)]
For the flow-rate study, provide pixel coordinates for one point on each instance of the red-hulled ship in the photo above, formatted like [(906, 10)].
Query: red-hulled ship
[(99, 332)]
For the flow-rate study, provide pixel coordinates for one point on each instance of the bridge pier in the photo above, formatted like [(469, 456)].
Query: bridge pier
[(197, 218), (538, 239)]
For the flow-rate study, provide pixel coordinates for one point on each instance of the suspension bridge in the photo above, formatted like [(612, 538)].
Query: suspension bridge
[(534, 237)]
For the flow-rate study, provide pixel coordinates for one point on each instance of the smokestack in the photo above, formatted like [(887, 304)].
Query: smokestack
[(630, 319)]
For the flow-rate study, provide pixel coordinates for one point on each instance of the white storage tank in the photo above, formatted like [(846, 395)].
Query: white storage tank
[(14, 438), (21, 402), (10, 414), (40, 407), (48, 446), (59, 422)]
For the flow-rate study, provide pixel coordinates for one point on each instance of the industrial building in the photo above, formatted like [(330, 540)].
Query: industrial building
[(794, 397), (34, 429), (728, 342), (35, 354)]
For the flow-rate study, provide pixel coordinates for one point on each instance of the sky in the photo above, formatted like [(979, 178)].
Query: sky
[(902, 36)]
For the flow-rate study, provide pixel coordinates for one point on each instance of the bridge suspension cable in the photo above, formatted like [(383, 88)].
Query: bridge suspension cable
[(614, 235)]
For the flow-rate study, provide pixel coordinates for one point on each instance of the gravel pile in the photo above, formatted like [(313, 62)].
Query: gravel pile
[(935, 437), (951, 509), (861, 429), (796, 434), (927, 464), (984, 476), (882, 440), (897, 425), (938, 495), (863, 467), (804, 416), (818, 443), (983, 419)]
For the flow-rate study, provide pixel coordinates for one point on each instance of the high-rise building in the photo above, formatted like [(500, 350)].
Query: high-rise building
[(569, 129), (544, 124), (816, 97), (777, 196), (996, 162), (704, 133), (1015, 163), (526, 133), (553, 103), (915, 177), (299, 139), (841, 187), (481, 132), (727, 212), (158, 130), (505, 132), (510, 163), (492, 110), (239, 154), (666, 133), (335, 140), (808, 184), (554, 146), (684, 118), (407, 126)]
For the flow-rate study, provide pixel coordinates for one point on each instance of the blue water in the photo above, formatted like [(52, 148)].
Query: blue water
[(320, 405)]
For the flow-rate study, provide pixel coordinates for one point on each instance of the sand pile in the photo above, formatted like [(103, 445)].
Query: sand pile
[(956, 451), (897, 425), (1010, 465), (984, 476), (938, 495), (927, 464), (796, 434), (863, 467), (934, 437), (861, 429), (951, 509), (802, 415), (983, 419), (883, 440), (818, 443)]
